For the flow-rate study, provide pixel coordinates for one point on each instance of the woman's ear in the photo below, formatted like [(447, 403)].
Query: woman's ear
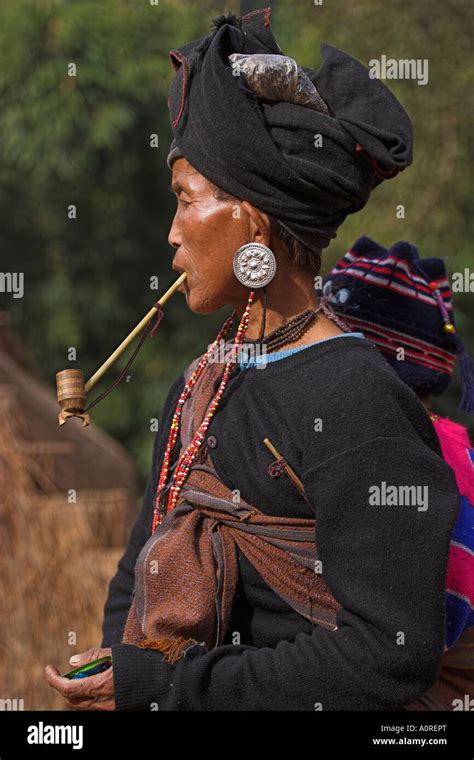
[(259, 227)]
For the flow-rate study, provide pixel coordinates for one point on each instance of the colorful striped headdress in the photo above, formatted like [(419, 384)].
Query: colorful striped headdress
[(404, 305)]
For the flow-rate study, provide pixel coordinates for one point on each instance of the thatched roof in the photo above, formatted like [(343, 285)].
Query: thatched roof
[(57, 557)]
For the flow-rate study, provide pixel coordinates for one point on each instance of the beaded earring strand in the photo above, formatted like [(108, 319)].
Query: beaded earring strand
[(183, 466)]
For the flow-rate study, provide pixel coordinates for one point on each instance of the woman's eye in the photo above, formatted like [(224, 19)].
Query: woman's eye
[(183, 202)]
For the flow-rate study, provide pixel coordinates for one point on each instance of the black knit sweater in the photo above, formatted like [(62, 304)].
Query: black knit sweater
[(346, 424)]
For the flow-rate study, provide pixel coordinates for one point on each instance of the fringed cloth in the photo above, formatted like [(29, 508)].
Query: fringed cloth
[(186, 574)]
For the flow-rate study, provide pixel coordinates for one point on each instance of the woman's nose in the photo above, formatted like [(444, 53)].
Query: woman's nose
[(174, 237)]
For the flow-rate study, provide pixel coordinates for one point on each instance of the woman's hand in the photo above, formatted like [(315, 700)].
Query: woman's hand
[(91, 693)]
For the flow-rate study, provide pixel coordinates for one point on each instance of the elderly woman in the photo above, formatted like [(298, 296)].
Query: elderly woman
[(243, 588)]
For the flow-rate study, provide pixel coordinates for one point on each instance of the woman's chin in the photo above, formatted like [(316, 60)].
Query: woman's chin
[(199, 304), (194, 303)]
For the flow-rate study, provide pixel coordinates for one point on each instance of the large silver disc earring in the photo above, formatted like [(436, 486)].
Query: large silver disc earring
[(254, 265)]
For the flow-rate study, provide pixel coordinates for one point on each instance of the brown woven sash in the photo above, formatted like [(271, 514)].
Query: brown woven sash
[(187, 572)]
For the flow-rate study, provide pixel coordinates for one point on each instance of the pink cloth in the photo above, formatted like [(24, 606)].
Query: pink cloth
[(455, 443)]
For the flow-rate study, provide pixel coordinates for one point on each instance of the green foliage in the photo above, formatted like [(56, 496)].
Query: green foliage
[(84, 140)]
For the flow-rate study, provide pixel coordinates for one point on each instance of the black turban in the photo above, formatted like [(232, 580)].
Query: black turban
[(264, 151)]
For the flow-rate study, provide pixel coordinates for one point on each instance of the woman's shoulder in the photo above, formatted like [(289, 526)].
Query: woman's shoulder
[(360, 396), (356, 367)]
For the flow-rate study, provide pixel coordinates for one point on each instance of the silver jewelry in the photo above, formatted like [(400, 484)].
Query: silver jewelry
[(254, 265)]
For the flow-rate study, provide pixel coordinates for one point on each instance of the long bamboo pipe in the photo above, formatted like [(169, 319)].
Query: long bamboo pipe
[(71, 389), (136, 331)]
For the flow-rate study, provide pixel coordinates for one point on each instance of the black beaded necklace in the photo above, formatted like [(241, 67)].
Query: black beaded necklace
[(290, 332)]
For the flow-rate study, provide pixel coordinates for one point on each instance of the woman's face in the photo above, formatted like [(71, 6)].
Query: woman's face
[(206, 233)]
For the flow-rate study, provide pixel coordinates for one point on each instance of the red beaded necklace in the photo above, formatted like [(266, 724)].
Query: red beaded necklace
[(185, 461)]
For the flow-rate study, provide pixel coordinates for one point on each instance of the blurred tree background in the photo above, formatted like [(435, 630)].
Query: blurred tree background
[(86, 140)]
